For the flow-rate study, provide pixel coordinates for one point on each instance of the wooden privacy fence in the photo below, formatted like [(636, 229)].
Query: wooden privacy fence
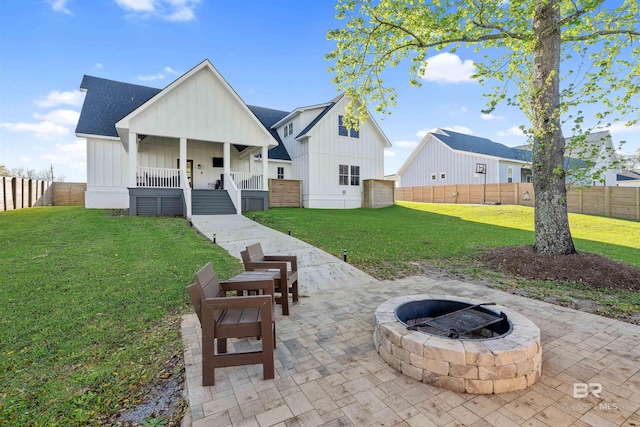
[(285, 193), (616, 202), (377, 193), (19, 193)]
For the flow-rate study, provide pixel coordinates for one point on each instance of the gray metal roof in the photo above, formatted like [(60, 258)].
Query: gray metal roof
[(108, 101)]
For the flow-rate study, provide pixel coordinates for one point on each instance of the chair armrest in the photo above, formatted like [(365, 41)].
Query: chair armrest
[(288, 258), (250, 285), (267, 265), (237, 302)]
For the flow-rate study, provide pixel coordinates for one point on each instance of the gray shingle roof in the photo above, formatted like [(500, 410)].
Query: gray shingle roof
[(108, 101), (476, 144), (268, 118)]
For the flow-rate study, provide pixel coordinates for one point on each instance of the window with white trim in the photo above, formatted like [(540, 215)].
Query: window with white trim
[(349, 175), (288, 130), (355, 175), (509, 174), (443, 176), (433, 177), (280, 173), (344, 131), (343, 174)]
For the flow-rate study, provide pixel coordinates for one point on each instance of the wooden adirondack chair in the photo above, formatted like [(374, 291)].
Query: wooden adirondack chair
[(287, 281), (222, 317)]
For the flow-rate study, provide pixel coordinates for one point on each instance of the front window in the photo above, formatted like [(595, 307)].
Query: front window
[(355, 175), (280, 173), (509, 174), (343, 175)]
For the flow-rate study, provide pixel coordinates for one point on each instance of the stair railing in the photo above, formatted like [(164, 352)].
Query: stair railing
[(234, 193), (186, 191)]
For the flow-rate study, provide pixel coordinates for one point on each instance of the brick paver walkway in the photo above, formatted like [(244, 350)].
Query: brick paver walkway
[(328, 372)]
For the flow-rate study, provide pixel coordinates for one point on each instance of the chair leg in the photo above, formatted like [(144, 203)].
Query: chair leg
[(294, 291)]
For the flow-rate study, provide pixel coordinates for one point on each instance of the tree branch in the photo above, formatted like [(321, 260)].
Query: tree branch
[(501, 30), (600, 33), (422, 44)]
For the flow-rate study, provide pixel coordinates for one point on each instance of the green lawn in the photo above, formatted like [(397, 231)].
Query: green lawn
[(400, 240), (90, 309), (386, 241)]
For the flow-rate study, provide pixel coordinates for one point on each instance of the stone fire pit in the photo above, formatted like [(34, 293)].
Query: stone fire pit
[(478, 365)]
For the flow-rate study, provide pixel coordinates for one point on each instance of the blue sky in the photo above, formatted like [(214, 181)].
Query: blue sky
[(271, 52)]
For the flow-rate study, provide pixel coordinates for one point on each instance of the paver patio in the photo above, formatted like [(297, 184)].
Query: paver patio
[(329, 373)]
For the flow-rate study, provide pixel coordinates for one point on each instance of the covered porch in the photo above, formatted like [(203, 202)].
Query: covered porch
[(174, 176)]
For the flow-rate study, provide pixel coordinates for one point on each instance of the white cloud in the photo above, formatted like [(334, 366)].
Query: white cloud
[(137, 5), (456, 128), (512, 131), (620, 127), (44, 130), (491, 117), (55, 98), (68, 159), (389, 153), (169, 10), (447, 68), (60, 6), (60, 117), (405, 144), (170, 70), (151, 77), (98, 66)]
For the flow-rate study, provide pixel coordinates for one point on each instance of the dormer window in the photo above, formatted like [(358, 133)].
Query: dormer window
[(343, 131), (288, 130)]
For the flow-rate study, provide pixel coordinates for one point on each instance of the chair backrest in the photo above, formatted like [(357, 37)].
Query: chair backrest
[(207, 286), (254, 253)]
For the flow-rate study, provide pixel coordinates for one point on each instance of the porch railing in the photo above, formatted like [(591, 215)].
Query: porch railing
[(158, 177), (247, 181)]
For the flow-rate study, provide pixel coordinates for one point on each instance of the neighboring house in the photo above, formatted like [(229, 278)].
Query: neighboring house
[(597, 152), (627, 178), (195, 147), (445, 157)]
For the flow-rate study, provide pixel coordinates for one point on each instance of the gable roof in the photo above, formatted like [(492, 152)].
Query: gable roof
[(268, 118), (109, 101), (627, 175), (315, 121), (478, 145)]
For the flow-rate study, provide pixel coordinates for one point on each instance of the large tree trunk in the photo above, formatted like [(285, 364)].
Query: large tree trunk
[(552, 233)]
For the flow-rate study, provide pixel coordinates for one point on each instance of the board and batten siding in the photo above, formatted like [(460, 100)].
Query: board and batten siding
[(201, 107), (435, 157), (328, 150), (107, 174)]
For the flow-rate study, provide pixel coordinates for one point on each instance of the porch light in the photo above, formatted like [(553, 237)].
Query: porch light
[(199, 166)]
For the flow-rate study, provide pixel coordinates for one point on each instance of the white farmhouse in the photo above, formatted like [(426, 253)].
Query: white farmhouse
[(445, 157), (195, 147)]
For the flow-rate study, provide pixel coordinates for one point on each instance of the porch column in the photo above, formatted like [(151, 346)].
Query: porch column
[(265, 168), (226, 156), (133, 159), (183, 158)]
